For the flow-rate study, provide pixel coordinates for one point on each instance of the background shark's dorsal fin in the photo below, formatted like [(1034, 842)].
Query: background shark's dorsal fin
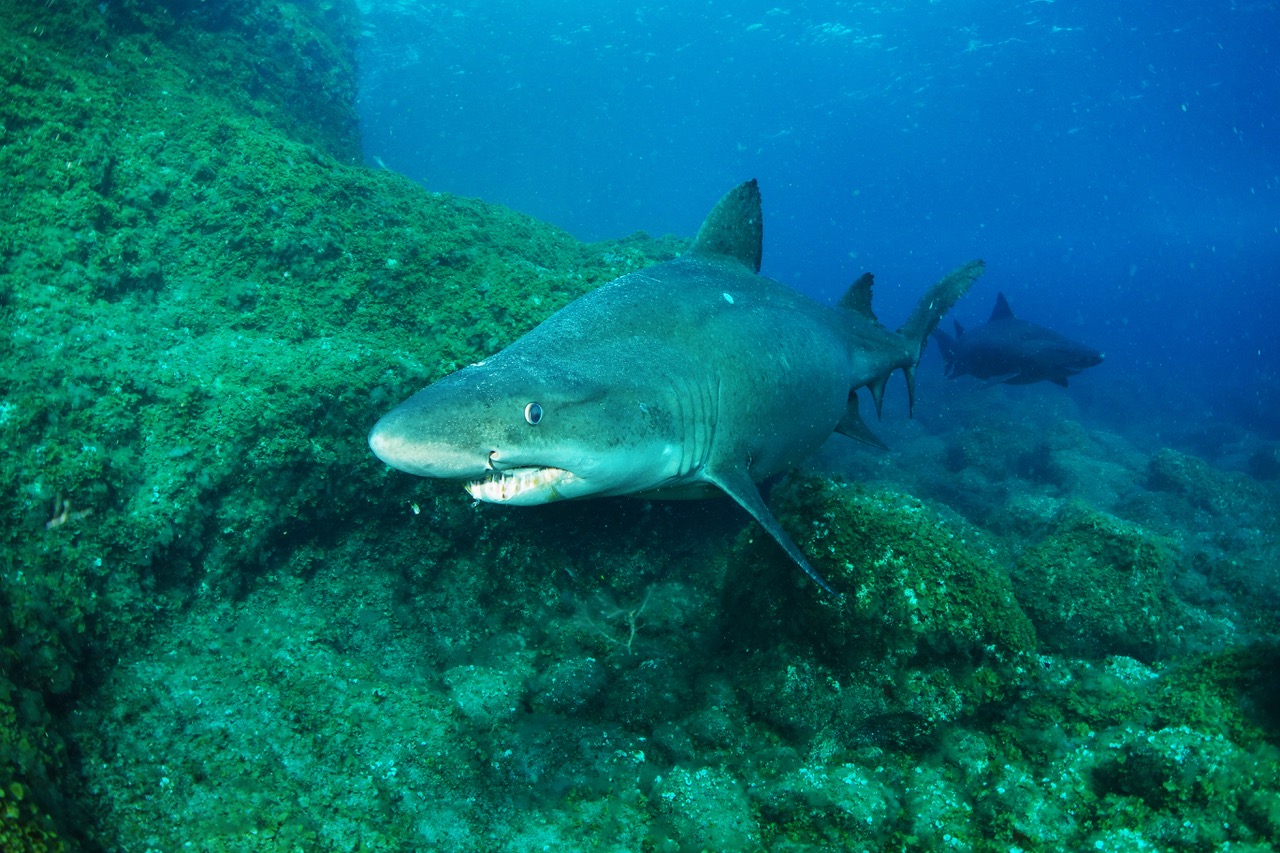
[(1002, 311), (858, 297), (734, 228)]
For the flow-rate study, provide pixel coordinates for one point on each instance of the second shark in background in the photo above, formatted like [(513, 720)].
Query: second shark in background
[(1006, 349)]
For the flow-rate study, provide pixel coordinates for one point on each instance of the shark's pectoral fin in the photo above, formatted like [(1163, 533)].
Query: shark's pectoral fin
[(738, 485), (853, 426), (1059, 379)]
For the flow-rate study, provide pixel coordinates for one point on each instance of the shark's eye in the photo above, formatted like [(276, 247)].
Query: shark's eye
[(533, 413)]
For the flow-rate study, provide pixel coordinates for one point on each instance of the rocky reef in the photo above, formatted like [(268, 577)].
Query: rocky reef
[(225, 626)]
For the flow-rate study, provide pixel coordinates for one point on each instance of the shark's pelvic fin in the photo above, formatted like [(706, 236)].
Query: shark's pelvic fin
[(858, 297), (734, 228), (853, 426), (876, 387), (738, 485)]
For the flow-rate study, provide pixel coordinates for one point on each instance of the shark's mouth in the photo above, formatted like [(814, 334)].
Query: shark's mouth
[(522, 486)]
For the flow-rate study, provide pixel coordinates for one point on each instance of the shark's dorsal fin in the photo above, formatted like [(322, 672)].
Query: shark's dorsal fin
[(858, 297), (734, 228), (738, 485), (1002, 311)]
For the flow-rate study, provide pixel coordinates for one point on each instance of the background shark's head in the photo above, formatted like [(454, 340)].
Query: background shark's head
[(524, 435), (1070, 356)]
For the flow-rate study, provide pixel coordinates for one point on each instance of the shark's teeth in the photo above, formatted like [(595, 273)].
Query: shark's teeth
[(520, 485)]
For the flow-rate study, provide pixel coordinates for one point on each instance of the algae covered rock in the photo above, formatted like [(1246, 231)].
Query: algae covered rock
[(569, 685), (706, 809), (1097, 586), (926, 628), (207, 304), (1201, 485)]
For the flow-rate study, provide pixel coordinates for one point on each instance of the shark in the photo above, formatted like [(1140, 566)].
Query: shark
[(690, 378), (1009, 350)]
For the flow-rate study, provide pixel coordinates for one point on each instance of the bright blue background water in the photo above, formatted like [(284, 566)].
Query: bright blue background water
[(1118, 170)]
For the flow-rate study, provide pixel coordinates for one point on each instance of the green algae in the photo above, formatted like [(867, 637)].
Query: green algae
[(206, 306), (1218, 492), (30, 751), (927, 628), (1097, 585), (1229, 693)]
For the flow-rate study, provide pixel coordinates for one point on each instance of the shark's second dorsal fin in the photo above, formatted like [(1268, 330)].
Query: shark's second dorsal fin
[(734, 228), (1002, 311), (858, 297)]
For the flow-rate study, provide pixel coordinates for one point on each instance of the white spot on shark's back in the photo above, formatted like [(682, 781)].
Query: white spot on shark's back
[(728, 297)]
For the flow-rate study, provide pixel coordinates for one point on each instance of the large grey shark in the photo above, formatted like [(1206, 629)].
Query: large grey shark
[(691, 377), (1008, 349)]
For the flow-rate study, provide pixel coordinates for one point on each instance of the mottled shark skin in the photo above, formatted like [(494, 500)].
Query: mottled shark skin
[(1006, 349), (692, 377)]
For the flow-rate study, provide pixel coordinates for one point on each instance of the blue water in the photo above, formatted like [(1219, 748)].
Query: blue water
[(1118, 170)]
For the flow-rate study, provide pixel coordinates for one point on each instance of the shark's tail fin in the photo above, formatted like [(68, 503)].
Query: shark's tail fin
[(929, 310)]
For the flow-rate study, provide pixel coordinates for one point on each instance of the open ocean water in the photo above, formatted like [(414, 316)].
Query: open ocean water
[(1116, 167)]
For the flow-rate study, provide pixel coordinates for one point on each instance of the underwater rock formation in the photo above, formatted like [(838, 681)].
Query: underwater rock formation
[(205, 301), (926, 620), (1097, 586)]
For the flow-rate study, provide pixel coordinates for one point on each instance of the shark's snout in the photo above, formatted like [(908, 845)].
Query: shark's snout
[(1089, 358), (401, 440), (390, 445)]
